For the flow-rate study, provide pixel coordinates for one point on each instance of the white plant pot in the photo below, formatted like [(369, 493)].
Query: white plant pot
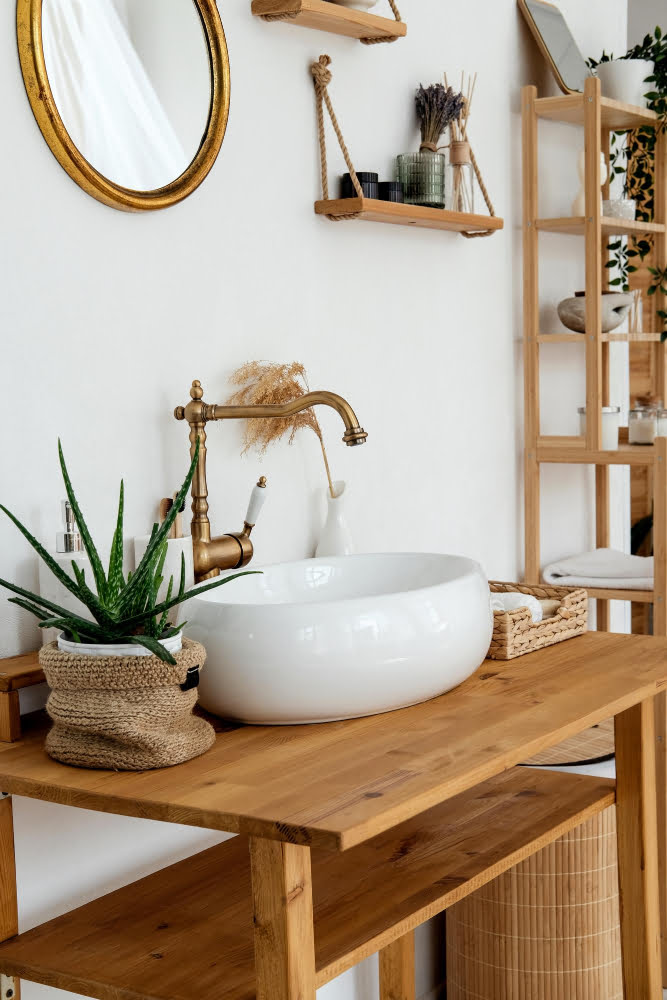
[(172, 645), (624, 80)]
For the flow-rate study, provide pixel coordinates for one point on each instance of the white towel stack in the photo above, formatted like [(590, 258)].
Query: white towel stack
[(510, 602), (603, 568)]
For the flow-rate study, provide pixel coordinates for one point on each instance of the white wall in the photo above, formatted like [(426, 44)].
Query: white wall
[(107, 318), (643, 16)]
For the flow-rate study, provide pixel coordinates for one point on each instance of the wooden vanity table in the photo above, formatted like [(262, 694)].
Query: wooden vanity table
[(351, 835)]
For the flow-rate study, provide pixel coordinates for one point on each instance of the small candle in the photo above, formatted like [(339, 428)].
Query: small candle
[(642, 426)]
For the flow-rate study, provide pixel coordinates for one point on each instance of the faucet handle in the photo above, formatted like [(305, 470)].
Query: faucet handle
[(257, 498)]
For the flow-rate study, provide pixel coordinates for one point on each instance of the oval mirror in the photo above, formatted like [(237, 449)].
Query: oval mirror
[(132, 96)]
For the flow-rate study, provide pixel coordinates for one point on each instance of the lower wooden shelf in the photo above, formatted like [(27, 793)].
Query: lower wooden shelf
[(607, 594), (187, 930), (573, 450), (400, 214)]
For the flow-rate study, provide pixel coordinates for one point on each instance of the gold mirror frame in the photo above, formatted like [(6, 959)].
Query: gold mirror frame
[(45, 110)]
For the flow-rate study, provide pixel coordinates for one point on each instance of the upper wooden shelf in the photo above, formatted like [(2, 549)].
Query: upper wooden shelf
[(580, 338), (615, 115), (576, 226), (328, 16), (412, 760), (20, 671), (189, 928), (573, 451), (400, 214)]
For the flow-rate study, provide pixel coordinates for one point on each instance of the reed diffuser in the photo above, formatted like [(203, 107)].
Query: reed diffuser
[(460, 154), (423, 174), (264, 383)]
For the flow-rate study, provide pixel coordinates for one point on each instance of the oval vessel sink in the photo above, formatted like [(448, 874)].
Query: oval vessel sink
[(338, 638)]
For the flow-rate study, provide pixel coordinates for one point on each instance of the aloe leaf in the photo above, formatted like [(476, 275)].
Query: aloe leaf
[(49, 605), (44, 555), (155, 647), (115, 575), (90, 599), (181, 582), (158, 536), (89, 545), (163, 621), (175, 601)]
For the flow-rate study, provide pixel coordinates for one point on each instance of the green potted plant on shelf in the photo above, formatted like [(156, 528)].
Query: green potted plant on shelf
[(123, 681)]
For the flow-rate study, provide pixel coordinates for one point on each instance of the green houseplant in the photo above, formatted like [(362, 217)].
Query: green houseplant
[(111, 708)]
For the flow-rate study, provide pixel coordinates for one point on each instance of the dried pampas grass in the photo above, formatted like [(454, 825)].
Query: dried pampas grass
[(265, 384)]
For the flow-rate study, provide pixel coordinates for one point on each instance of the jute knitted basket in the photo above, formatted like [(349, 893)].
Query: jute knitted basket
[(548, 929), (514, 632), (126, 713)]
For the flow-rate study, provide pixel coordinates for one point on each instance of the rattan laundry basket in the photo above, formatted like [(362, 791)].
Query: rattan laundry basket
[(548, 929), (515, 633)]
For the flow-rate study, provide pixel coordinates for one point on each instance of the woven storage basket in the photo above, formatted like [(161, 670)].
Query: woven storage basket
[(548, 929), (126, 713), (514, 632)]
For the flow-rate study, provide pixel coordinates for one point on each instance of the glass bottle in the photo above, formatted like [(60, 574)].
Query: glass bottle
[(462, 177)]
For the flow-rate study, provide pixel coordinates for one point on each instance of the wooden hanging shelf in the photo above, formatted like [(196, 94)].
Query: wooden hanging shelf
[(400, 214), (327, 16)]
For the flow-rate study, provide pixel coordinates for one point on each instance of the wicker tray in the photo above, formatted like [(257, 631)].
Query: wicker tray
[(514, 632)]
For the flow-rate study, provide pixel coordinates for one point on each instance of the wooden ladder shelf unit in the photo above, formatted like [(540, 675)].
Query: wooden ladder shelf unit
[(599, 116)]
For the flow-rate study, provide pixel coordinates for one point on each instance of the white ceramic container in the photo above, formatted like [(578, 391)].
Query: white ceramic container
[(336, 537), (172, 645), (611, 421), (624, 80), (341, 637)]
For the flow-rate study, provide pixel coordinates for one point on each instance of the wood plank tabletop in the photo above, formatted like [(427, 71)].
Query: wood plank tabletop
[(338, 784)]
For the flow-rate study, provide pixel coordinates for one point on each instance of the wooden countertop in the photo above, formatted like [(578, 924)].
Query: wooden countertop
[(339, 784)]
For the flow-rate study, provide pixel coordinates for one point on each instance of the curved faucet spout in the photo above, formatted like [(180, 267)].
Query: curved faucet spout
[(354, 434), (236, 549)]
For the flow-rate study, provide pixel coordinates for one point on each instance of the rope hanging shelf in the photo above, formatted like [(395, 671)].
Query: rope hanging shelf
[(369, 29), (374, 210)]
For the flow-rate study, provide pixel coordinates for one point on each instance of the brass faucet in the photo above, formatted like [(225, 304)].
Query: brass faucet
[(235, 549)]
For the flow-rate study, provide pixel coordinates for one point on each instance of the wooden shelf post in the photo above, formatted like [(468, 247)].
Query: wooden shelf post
[(531, 321)]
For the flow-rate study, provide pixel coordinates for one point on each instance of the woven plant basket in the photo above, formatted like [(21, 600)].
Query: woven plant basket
[(514, 632), (125, 713), (548, 929)]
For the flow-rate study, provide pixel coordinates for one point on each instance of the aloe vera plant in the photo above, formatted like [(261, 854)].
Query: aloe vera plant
[(124, 609)]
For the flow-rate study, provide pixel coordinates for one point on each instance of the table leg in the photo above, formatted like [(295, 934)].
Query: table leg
[(397, 969), (10, 716), (283, 919), (638, 852), (9, 987)]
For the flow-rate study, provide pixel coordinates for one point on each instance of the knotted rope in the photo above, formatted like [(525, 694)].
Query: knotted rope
[(322, 79), (384, 38)]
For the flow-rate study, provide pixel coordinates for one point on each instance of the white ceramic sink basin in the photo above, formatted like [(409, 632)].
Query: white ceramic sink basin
[(338, 638)]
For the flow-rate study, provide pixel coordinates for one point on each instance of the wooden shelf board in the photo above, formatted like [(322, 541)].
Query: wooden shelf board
[(20, 671), (607, 594), (615, 114), (188, 928), (575, 226), (580, 338), (413, 759), (393, 213), (574, 451), (326, 16)]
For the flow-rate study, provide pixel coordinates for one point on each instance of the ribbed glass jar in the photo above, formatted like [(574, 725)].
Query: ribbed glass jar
[(423, 176)]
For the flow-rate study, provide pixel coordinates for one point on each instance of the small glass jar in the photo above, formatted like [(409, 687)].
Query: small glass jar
[(642, 425), (423, 177), (611, 420), (662, 423), (462, 177)]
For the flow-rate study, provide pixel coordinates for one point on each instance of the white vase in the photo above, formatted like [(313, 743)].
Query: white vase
[(336, 538), (624, 80), (579, 203)]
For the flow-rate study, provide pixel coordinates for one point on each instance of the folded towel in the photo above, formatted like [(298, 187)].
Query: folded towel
[(510, 602), (603, 568)]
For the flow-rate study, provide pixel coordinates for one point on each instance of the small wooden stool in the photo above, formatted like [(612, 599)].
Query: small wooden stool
[(15, 673)]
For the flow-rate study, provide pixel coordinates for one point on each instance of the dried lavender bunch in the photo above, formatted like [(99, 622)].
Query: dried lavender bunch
[(437, 107)]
